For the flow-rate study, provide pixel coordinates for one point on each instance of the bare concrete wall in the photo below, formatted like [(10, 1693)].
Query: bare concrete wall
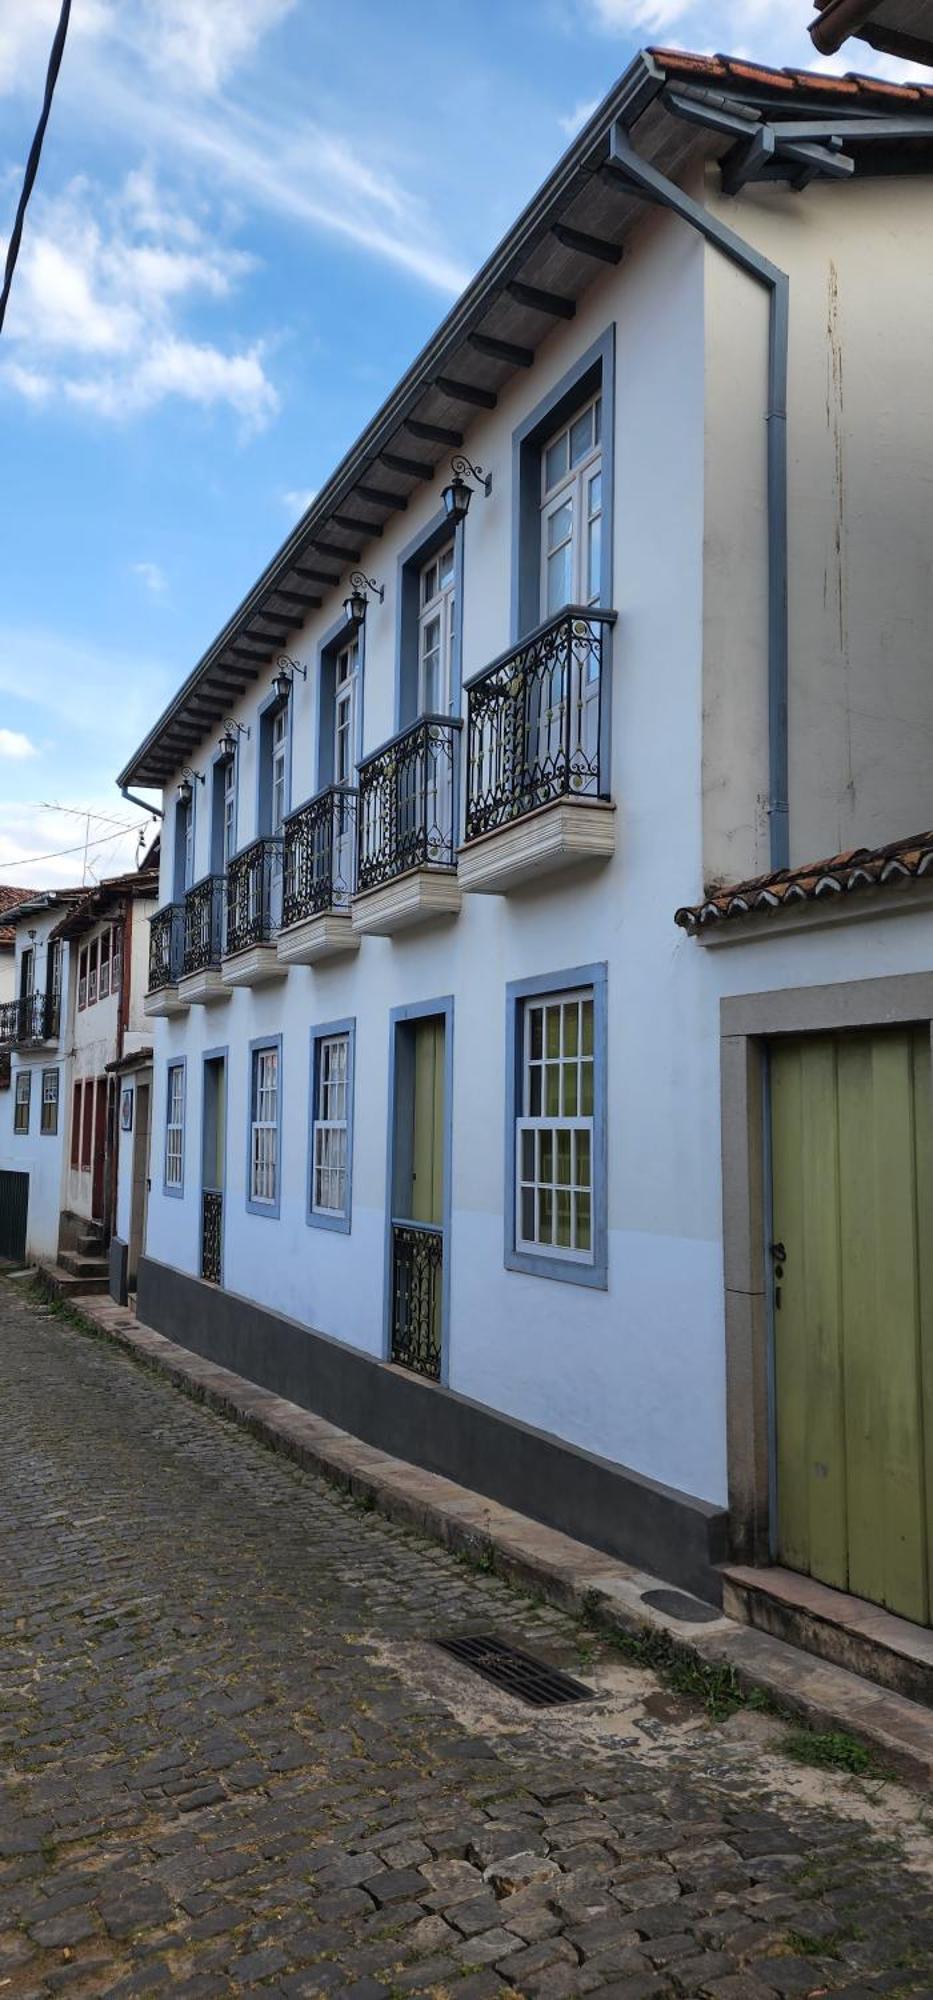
[(860, 442)]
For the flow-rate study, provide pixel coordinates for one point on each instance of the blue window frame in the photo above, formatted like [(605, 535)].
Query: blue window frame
[(173, 1176), (264, 1127), (330, 1126), (593, 373), (417, 553), (556, 1216), (341, 666)]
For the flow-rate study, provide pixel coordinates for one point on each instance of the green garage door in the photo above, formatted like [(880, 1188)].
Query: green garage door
[(852, 1209)]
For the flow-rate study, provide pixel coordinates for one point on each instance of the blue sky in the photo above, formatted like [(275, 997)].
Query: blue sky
[(250, 215)]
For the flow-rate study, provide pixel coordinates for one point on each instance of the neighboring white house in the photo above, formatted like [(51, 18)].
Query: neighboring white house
[(437, 1147), (81, 962)]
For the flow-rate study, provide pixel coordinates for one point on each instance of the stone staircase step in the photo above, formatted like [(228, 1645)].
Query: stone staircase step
[(847, 1631)]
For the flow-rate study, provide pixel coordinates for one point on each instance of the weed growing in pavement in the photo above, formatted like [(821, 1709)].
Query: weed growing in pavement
[(832, 1750)]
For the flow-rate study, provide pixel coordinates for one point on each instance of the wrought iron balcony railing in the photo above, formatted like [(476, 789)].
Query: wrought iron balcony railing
[(417, 1273), (254, 894), (534, 722), (34, 1017), (204, 924), (166, 946), (408, 802), (320, 855)]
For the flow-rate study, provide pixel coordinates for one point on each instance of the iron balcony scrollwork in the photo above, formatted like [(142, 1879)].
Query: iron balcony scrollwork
[(166, 947), (407, 802), (254, 894), (417, 1277), (204, 924), (33, 1018), (212, 1215), (320, 855), (534, 722)]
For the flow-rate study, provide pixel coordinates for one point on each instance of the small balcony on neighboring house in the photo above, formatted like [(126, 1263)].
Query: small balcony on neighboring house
[(254, 914), (537, 778), (408, 803), (201, 983), (32, 1021), (166, 961), (320, 873)]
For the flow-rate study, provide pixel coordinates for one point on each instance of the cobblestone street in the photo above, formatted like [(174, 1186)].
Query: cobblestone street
[(233, 1761)]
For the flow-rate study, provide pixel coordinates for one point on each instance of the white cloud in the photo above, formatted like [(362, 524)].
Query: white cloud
[(298, 499), (152, 576), (16, 746), (94, 314), (26, 31), (200, 45)]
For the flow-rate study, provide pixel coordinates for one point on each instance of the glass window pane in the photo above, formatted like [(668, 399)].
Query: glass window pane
[(553, 1031), (571, 1027), (552, 1090), (560, 525), (562, 1232), (586, 1090), (564, 1175), (555, 462), (558, 581), (545, 1156), (537, 1019), (528, 1156), (581, 437), (446, 567), (570, 1106), (534, 1094), (528, 1215), (593, 572), (586, 1011), (584, 1223), (583, 1171), (545, 1215), (598, 419)]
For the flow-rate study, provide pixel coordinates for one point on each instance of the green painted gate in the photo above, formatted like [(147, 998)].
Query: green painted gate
[(852, 1211), (14, 1207)]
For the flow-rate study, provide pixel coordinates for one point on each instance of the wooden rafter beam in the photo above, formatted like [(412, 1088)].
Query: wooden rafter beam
[(379, 498), (502, 350), (415, 468), (434, 433), (588, 246), (543, 302), (466, 392)]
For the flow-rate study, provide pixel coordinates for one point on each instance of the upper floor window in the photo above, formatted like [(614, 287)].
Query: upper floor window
[(346, 681), (229, 813), (82, 976), (279, 767), (116, 959), (436, 626), (189, 843), (54, 979), (571, 512), (92, 971), (27, 973), (103, 980)]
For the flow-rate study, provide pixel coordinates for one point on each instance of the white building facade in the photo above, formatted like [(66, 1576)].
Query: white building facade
[(436, 1135)]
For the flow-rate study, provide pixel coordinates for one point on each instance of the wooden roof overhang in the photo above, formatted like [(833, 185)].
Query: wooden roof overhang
[(895, 27), (574, 227)]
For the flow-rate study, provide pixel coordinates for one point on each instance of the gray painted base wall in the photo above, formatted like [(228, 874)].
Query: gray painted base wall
[(668, 1533)]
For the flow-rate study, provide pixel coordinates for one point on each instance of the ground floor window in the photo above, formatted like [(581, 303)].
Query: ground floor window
[(175, 1129), (21, 1100), (331, 1109), (556, 1202), (265, 1101), (49, 1122)]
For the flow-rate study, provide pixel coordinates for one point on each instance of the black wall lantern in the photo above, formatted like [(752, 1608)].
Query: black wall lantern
[(282, 681), (230, 740), (355, 605), (457, 494), (185, 792)]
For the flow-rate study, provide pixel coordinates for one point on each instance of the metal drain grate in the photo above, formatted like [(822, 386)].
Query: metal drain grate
[(518, 1673)]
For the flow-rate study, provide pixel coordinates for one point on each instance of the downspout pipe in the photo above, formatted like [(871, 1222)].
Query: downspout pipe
[(134, 800), (628, 166)]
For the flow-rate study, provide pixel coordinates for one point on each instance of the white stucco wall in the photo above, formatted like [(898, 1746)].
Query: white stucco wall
[(860, 452), (38, 1154)]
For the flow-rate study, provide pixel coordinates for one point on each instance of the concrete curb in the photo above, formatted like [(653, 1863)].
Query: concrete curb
[(568, 1574)]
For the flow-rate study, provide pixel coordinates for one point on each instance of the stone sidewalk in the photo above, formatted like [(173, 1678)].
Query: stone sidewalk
[(233, 1760)]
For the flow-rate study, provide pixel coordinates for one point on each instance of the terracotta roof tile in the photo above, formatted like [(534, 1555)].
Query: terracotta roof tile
[(859, 868), (721, 69), (9, 898)]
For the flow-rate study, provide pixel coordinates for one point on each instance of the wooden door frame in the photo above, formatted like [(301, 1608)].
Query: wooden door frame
[(419, 1010), (748, 1023)]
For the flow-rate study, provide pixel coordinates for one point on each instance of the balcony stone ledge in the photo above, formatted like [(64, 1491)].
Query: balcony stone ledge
[(165, 1002), (418, 897), (255, 965), (204, 987), (328, 935), (565, 834)]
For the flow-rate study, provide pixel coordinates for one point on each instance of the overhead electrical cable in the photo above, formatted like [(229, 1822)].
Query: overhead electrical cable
[(98, 841), (35, 154)]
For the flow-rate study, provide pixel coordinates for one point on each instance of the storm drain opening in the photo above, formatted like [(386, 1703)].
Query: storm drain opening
[(506, 1666)]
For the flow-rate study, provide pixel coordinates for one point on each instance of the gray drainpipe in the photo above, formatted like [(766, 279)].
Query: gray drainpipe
[(134, 800), (655, 187)]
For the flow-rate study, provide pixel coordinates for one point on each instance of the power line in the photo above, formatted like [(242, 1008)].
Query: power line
[(35, 154), (60, 852)]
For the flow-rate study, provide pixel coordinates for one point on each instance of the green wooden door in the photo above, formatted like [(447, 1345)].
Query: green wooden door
[(852, 1166), (427, 1177)]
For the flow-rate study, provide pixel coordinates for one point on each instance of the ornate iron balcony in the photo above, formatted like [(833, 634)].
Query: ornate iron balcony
[(204, 921), (407, 799), (534, 722), (417, 1272), (320, 855), (166, 946), (254, 894), (34, 1017)]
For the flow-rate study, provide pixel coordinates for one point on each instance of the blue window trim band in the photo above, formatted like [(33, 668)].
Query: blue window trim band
[(538, 1263), (270, 1209), (319, 1033)]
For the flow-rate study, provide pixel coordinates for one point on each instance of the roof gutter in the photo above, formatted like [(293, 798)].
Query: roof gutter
[(838, 20), (656, 188)]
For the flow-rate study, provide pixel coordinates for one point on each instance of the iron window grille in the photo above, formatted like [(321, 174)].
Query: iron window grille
[(204, 918), (407, 802), (417, 1278), (254, 893), (166, 947), (320, 854), (535, 722), (212, 1212)]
